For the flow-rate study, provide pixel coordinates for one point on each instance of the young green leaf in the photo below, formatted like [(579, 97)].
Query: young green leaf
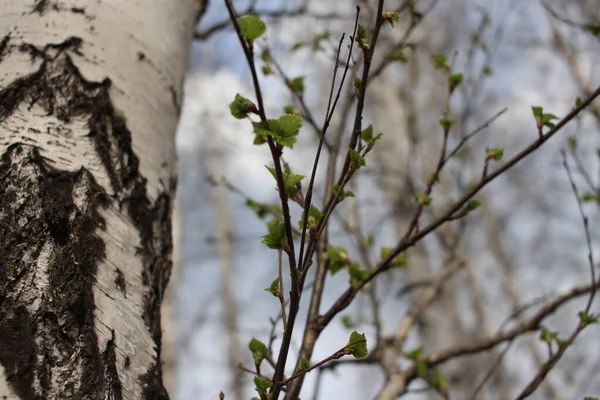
[(297, 85), (446, 124), (338, 258), (472, 205), (391, 17), (358, 275), (304, 364), (314, 218), (251, 27), (415, 354), (399, 261), (283, 130), (296, 46), (454, 80), (423, 199), (367, 133), (440, 61), (361, 37), (266, 70), (494, 153), (399, 55), (357, 345), (290, 181), (274, 288), (357, 84), (587, 318), (240, 107), (262, 384), (347, 322), (259, 350), (547, 120), (276, 238), (358, 161), (440, 381), (343, 194)]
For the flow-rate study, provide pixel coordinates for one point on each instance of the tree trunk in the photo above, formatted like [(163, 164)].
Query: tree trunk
[(90, 93)]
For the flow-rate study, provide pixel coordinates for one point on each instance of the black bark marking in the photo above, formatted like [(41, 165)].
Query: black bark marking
[(120, 282), (37, 207), (17, 349), (42, 6), (115, 391), (65, 319)]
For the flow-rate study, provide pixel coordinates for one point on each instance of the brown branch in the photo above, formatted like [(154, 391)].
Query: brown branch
[(346, 298)]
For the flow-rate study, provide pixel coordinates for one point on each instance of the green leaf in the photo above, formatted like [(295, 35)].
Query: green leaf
[(259, 350), (283, 130), (357, 345), (454, 80), (342, 195), (494, 153), (547, 336), (361, 36), (587, 318), (487, 71), (440, 61), (274, 288), (266, 70), (290, 110), (304, 364), (399, 55), (572, 140), (295, 273), (358, 275), (538, 112), (367, 133), (290, 181), (358, 161), (472, 205), (296, 46), (391, 17), (423, 199), (588, 197), (262, 384), (347, 322), (399, 261), (251, 27), (440, 381), (422, 369), (276, 238), (547, 118), (240, 107), (415, 354), (338, 258), (297, 85), (314, 218), (357, 84), (578, 102), (446, 124)]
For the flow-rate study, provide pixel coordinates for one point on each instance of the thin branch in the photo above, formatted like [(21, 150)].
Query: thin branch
[(346, 298)]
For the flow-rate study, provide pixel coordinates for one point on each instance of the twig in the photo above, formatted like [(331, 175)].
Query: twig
[(345, 299), (584, 220)]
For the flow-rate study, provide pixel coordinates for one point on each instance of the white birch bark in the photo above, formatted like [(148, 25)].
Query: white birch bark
[(90, 94)]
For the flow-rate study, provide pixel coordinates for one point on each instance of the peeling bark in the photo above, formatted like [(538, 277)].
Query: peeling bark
[(85, 227)]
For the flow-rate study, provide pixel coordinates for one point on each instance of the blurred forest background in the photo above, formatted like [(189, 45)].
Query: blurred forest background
[(523, 246)]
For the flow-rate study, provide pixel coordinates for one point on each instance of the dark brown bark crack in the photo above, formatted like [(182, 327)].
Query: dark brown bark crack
[(39, 205)]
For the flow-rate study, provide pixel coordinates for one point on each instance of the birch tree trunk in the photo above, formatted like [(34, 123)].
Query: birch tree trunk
[(90, 94)]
